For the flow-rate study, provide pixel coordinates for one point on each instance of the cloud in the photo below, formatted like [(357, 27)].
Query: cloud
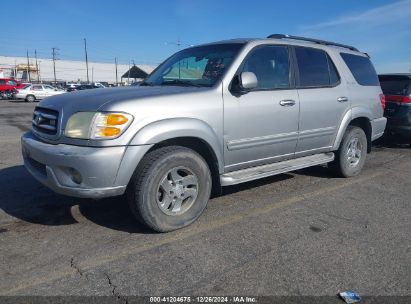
[(383, 32), (382, 15)]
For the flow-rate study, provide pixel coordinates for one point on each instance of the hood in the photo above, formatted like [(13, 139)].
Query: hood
[(102, 99), (94, 99)]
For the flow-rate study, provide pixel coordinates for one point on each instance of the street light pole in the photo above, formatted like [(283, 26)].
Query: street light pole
[(28, 67), (128, 75), (54, 63), (37, 67), (115, 60), (85, 50)]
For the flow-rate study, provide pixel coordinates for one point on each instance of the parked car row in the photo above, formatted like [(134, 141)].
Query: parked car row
[(8, 87), (35, 92), (13, 89)]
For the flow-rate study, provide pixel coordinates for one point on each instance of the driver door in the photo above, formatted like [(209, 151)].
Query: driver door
[(261, 126)]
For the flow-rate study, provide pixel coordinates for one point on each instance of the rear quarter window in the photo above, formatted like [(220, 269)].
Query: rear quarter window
[(362, 69)]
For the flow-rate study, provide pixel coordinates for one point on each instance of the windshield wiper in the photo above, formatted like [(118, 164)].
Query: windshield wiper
[(145, 83), (180, 82)]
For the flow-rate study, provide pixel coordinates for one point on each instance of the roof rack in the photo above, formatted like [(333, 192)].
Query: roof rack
[(323, 42)]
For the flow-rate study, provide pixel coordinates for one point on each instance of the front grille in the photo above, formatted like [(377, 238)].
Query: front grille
[(45, 120)]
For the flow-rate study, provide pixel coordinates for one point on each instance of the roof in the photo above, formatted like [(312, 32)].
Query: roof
[(291, 40), (135, 72)]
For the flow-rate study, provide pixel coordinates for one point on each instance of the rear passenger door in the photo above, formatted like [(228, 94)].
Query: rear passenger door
[(323, 100), (38, 91)]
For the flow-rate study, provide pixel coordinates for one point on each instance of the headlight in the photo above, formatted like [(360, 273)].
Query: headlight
[(92, 125)]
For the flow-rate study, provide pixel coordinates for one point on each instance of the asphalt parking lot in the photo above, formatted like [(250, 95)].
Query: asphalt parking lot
[(302, 233)]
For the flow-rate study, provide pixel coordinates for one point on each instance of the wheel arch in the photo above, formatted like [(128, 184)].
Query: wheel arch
[(360, 117), (186, 132)]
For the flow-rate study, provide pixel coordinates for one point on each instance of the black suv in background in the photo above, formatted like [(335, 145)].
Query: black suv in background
[(397, 91)]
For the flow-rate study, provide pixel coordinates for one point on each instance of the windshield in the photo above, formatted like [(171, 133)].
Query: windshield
[(198, 66)]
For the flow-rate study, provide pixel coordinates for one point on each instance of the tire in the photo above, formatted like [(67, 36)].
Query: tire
[(350, 157), (166, 179), (30, 98)]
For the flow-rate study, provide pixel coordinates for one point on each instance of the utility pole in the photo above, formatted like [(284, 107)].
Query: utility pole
[(85, 50), (37, 67), (128, 76), (115, 62), (28, 67), (54, 63)]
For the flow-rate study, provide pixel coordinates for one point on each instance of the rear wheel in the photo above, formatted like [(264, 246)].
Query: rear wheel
[(350, 157), (30, 98), (170, 188)]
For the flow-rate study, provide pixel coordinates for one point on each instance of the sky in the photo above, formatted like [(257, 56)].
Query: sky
[(147, 31)]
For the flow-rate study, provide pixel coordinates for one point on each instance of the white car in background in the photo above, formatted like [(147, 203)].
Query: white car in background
[(35, 92)]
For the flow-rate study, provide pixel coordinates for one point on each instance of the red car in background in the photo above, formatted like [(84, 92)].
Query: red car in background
[(8, 87)]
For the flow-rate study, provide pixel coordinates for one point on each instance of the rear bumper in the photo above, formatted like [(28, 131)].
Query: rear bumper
[(400, 121), (404, 131), (80, 171), (378, 126)]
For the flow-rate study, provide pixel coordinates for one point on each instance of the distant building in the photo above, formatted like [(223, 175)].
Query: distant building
[(134, 74), (66, 70)]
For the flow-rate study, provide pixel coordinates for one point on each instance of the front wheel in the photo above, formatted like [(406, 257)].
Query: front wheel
[(350, 157), (30, 98), (170, 188)]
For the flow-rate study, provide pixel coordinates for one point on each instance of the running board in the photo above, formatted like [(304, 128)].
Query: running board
[(241, 176)]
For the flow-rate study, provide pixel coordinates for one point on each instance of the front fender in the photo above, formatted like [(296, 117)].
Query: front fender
[(166, 129)]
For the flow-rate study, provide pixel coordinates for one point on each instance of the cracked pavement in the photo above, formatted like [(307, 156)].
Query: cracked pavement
[(301, 233)]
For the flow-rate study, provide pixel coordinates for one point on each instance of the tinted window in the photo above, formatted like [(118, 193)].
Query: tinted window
[(313, 67), (2, 81), (271, 66), (37, 88), (362, 69), (334, 77), (395, 84)]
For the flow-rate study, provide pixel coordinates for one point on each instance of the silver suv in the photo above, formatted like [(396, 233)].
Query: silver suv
[(213, 115)]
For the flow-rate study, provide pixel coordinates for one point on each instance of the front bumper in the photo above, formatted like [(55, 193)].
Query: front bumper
[(80, 171)]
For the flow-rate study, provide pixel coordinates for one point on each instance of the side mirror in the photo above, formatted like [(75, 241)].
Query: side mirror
[(244, 83), (248, 81)]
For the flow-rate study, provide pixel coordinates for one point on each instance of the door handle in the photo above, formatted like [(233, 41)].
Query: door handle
[(342, 99), (287, 102)]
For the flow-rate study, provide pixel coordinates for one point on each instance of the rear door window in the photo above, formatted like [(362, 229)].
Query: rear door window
[(395, 84), (37, 88), (315, 68), (362, 69)]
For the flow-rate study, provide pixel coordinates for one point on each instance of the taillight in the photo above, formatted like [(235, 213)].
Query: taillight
[(399, 98), (382, 100)]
